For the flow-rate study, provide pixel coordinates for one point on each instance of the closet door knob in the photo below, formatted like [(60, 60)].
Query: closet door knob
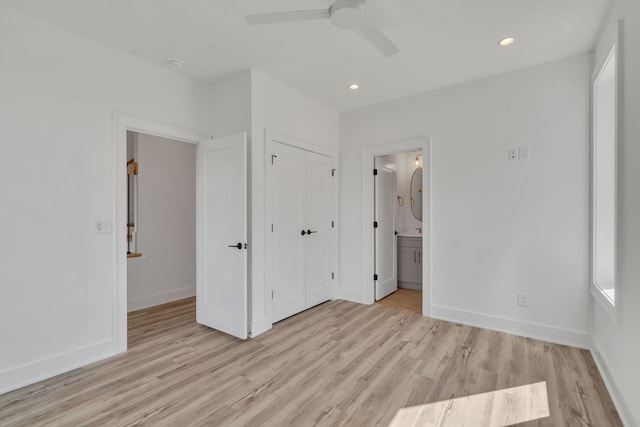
[(309, 231), (303, 232)]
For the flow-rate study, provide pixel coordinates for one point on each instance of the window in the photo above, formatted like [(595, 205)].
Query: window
[(604, 157)]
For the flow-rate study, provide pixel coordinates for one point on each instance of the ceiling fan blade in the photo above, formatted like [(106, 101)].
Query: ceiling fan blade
[(373, 35), (296, 15)]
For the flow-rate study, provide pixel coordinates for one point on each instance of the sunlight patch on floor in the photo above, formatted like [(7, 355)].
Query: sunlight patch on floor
[(493, 409)]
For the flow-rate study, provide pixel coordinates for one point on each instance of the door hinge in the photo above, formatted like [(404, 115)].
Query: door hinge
[(271, 294), (375, 171), (333, 224), (375, 224), (375, 277), (272, 228), (333, 275), (273, 156), (333, 172)]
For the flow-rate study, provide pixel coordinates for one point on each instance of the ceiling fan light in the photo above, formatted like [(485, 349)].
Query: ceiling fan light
[(346, 14)]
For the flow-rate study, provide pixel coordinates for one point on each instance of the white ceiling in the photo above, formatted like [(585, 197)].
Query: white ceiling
[(441, 42)]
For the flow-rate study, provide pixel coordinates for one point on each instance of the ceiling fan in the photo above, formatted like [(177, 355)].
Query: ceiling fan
[(345, 14)]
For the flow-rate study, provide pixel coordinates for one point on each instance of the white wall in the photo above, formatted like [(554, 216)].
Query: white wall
[(231, 105), (617, 345), (279, 108), (499, 227), (166, 271), (252, 102), (58, 93)]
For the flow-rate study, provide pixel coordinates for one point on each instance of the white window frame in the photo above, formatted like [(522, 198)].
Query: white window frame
[(611, 52)]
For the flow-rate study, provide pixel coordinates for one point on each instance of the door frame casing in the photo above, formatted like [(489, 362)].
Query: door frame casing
[(272, 136), (368, 158), (121, 123)]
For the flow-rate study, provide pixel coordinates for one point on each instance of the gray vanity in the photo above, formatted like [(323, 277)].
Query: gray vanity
[(410, 262)]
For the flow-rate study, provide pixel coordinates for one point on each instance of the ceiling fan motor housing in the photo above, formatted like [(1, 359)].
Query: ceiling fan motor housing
[(346, 14)]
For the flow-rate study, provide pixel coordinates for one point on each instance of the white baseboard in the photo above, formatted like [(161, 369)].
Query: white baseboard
[(259, 327), (350, 295), (162, 298), (621, 405), (409, 285), (515, 327), (39, 370)]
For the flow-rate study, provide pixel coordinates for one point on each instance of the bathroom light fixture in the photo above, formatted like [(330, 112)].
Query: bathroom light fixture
[(354, 86), (419, 160), (506, 41)]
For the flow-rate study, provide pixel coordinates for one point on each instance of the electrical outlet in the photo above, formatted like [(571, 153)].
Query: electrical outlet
[(513, 154), (523, 153), (523, 299), (102, 226)]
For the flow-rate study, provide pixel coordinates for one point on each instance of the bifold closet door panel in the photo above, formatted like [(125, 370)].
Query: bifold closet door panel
[(288, 178), (318, 214)]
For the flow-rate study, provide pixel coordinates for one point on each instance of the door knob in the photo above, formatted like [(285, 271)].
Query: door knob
[(238, 246), (309, 231)]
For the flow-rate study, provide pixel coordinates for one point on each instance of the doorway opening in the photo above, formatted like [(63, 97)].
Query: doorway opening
[(398, 230), (124, 128), (396, 202), (161, 220)]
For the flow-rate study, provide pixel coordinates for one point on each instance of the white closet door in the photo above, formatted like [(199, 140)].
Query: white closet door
[(288, 183), (318, 209), (385, 239), (221, 291)]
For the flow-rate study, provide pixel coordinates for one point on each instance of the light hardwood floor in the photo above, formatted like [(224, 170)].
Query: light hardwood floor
[(337, 364), (406, 299)]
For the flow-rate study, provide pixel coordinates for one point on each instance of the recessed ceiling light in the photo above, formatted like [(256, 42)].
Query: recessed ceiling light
[(354, 86), (176, 63), (506, 41)]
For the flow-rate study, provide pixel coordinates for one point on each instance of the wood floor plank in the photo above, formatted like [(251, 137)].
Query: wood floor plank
[(407, 299), (338, 364)]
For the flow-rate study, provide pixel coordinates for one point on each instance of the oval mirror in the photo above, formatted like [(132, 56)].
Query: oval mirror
[(415, 193)]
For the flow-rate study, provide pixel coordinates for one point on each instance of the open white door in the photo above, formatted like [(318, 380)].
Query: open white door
[(221, 290), (384, 229)]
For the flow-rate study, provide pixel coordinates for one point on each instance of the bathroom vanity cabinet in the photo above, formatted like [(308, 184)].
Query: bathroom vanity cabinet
[(410, 262)]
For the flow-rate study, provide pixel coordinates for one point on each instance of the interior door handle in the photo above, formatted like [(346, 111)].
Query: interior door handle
[(309, 231), (238, 246)]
